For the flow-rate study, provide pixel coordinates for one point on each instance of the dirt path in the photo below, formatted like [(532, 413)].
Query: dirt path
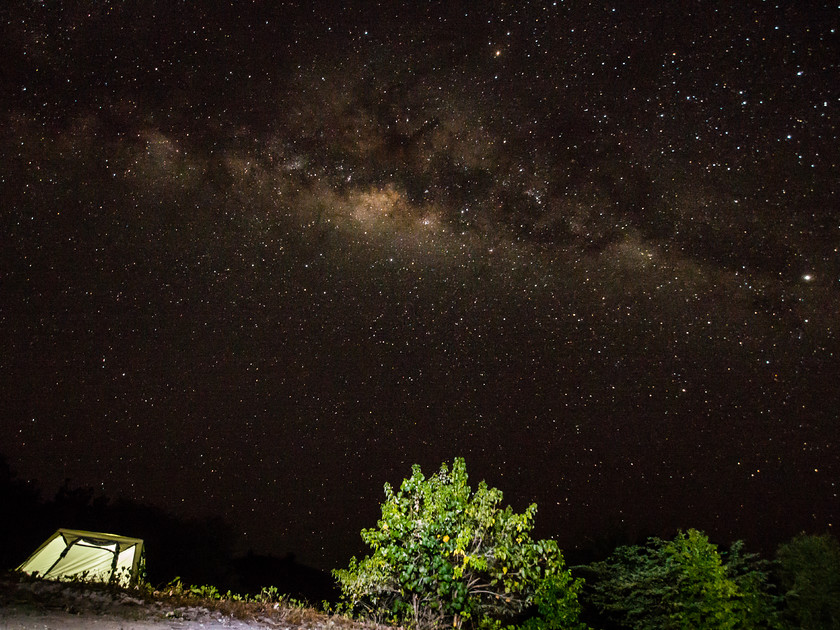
[(42, 605), (29, 620)]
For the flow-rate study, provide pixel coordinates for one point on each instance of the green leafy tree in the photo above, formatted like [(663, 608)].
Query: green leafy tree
[(681, 584), (704, 596), (761, 604), (444, 556), (629, 588), (809, 567)]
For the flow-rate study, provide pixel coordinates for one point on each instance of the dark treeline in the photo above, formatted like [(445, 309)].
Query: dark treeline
[(199, 551)]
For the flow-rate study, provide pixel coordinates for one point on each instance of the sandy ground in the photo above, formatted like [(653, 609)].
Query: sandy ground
[(37, 605)]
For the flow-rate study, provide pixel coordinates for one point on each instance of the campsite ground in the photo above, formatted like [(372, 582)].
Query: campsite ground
[(35, 604)]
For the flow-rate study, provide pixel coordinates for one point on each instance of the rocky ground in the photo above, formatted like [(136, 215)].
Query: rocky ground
[(43, 605)]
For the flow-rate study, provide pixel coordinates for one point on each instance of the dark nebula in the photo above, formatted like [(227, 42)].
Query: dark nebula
[(260, 258)]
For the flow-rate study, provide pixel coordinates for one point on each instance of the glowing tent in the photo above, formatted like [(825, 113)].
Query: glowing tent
[(90, 556)]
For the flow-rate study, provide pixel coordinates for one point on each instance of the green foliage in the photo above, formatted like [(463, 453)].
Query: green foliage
[(268, 594), (630, 587), (683, 583), (809, 567), (206, 591), (445, 556), (704, 596), (760, 603)]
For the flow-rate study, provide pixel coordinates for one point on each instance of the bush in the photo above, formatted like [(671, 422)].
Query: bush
[(809, 567), (445, 556), (683, 583)]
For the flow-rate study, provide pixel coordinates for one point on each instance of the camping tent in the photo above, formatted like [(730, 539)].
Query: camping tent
[(91, 556)]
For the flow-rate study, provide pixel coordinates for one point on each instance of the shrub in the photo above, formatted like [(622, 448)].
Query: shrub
[(683, 583), (809, 567), (443, 555)]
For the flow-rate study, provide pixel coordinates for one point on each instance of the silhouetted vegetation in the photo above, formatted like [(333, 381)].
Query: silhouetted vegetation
[(198, 551), (21, 503), (809, 567)]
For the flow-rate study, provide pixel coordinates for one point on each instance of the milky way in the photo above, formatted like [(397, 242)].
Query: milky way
[(260, 260)]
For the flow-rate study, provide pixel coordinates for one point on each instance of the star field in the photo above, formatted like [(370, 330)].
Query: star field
[(260, 259)]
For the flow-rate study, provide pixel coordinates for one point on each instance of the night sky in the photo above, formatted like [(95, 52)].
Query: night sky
[(260, 258)]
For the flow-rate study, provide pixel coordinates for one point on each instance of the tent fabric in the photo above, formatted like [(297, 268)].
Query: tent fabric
[(91, 556)]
